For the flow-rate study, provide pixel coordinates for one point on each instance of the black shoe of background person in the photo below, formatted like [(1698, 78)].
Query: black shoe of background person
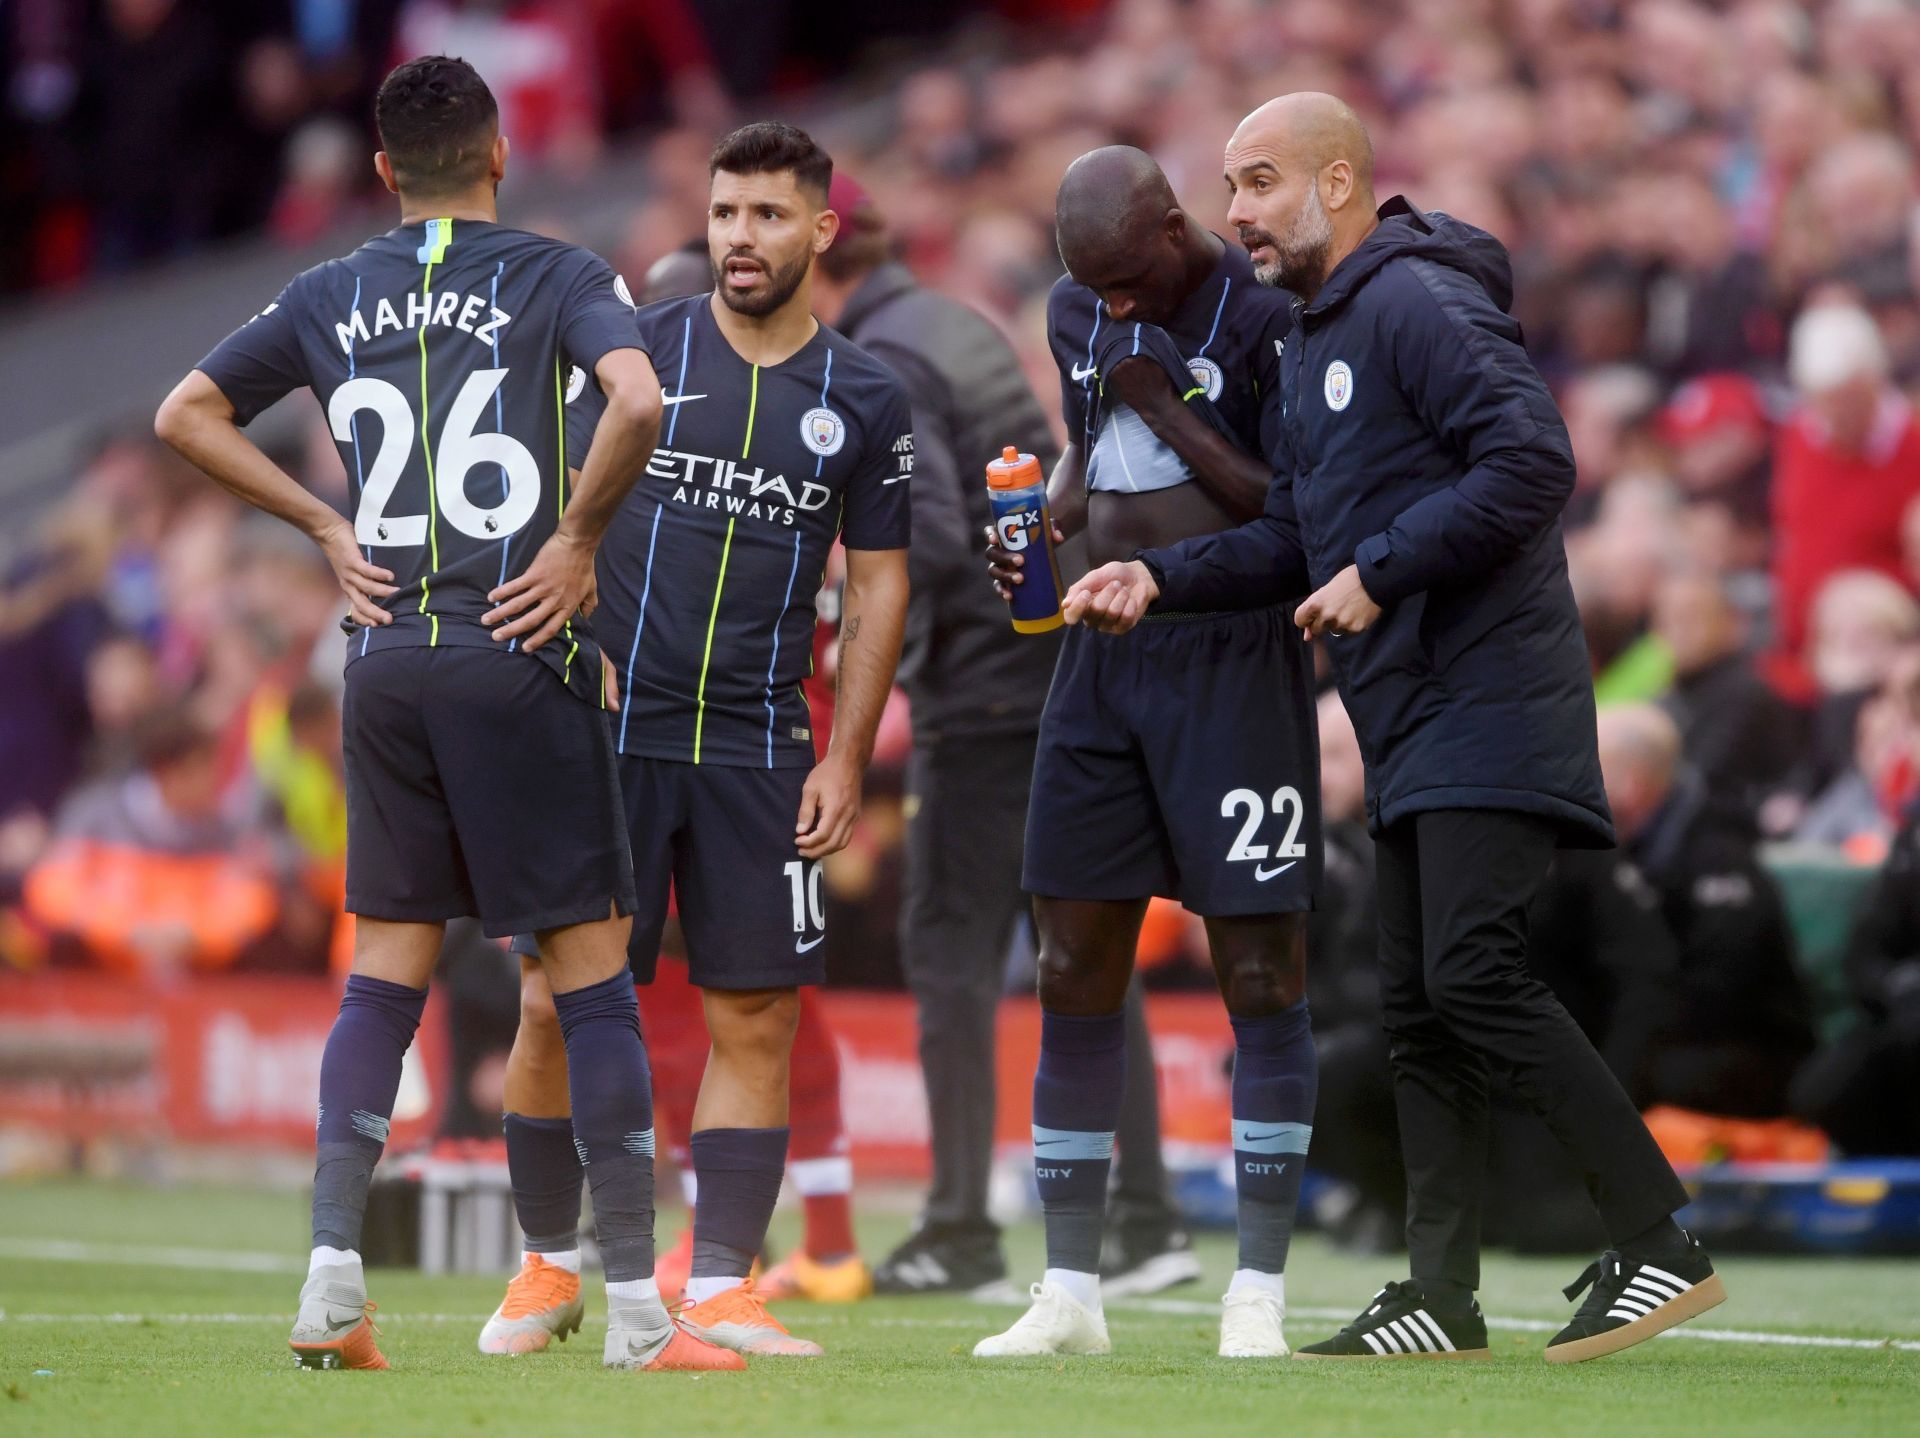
[(1401, 1323), (942, 1260), (1136, 1260), (1631, 1300)]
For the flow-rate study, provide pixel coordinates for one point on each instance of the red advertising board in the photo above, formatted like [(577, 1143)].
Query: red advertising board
[(220, 1059), (237, 1060)]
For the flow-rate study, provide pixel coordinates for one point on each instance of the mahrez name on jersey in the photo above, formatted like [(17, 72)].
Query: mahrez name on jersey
[(448, 308)]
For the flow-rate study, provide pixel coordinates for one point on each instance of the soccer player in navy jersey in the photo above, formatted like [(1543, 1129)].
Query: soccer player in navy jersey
[(479, 761), (780, 437), (1182, 761)]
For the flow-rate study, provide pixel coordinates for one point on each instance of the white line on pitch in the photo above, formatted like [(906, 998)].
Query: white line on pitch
[(61, 1250), (1194, 1307)]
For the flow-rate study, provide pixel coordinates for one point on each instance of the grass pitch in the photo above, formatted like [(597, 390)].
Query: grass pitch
[(112, 1326)]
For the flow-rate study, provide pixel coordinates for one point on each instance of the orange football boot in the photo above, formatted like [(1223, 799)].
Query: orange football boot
[(738, 1319), (333, 1329), (543, 1303)]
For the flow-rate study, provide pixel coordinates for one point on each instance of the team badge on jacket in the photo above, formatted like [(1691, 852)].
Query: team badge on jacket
[(1339, 385), (823, 431)]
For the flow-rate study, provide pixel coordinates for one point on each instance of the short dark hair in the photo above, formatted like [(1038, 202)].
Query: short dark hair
[(766, 147), (437, 121)]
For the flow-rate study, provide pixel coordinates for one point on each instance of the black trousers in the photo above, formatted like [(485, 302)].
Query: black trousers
[(1457, 999), (966, 834)]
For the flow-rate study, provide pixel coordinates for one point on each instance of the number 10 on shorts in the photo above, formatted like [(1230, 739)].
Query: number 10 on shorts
[(808, 901)]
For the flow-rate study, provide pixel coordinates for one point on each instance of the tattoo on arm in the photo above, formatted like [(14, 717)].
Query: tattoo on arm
[(849, 632)]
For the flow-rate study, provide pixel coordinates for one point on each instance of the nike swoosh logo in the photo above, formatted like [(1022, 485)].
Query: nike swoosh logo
[(679, 398), (1261, 1137), (800, 948), (895, 480), (1044, 1142), (1081, 372), (1263, 873)]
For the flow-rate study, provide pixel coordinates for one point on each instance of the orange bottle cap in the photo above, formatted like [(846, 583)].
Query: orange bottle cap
[(1013, 470)]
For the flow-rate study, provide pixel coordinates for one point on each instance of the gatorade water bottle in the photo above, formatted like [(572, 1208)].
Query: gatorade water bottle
[(1023, 524)]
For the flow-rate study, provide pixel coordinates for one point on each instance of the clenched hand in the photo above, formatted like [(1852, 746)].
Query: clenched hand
[(1339, 607)]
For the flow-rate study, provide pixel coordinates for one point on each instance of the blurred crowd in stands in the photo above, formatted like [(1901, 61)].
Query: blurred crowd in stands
[(1712, 214)]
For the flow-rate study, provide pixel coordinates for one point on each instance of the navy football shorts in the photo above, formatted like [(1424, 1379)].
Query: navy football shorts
[(1181, 759), (753, 911), (478, 784)]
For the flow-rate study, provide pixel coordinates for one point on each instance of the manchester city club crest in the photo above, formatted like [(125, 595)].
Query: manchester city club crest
[(1339, 385), (1207, 375), (822, 431)]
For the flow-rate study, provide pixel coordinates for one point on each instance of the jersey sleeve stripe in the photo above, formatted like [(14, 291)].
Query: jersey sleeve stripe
[(713, 619), (1218, 310)]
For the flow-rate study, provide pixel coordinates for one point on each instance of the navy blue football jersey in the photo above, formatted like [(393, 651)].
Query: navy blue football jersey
[(440, 352), (709, 572), (1229, 333)]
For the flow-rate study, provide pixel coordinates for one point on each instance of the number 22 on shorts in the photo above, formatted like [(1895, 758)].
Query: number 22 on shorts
[(1287, 802)]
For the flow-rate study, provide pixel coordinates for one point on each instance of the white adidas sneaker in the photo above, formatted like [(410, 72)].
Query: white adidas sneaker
[(1056, 1323), (1250, 1325)]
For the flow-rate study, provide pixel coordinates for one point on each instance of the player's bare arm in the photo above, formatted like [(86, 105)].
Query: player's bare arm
[(1236, 480), (875, 619), (197, 421), (1066, 502)]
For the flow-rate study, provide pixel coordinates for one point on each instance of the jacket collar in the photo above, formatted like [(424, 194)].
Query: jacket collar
[(1398, 219), (885, 284)]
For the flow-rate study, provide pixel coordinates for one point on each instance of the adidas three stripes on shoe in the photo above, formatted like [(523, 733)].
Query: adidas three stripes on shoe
[(1400, 1323), (1630, 1300)]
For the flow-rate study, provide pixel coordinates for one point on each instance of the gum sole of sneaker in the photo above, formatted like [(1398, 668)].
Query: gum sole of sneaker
[(1468, 1355), (1710, 1292)]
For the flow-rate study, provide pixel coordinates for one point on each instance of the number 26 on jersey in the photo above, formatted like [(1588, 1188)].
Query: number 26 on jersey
[(459, 449)]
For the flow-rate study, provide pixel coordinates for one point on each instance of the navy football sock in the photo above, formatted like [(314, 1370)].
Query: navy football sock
[(544, 1168), (1275, 1082), (359, 1076), (739, 1173), (1076, 1106), (612, 1100)]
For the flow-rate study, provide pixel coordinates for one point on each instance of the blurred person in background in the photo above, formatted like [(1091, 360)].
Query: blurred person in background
[(154, 873), (1719, 442), (52, 617), (976, 689), (1709, 304), (1736, 1021), (1741, 737), (1846, 467), (1852, 780), (1860, 1088), (1356, 1133)]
